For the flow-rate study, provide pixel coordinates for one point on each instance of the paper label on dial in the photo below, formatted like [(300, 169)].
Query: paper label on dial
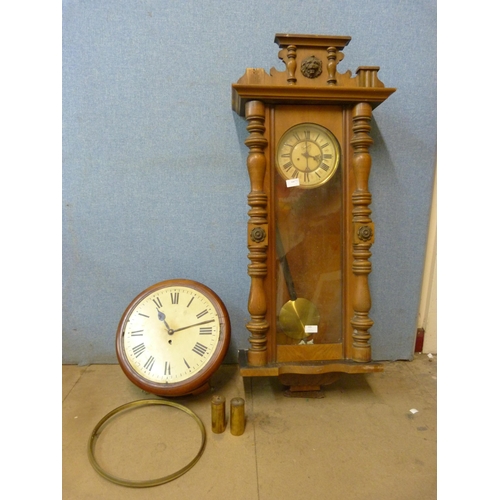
[(292, 182), (311, 328)]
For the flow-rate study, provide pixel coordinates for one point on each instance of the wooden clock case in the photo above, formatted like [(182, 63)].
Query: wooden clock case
[(310, 89)]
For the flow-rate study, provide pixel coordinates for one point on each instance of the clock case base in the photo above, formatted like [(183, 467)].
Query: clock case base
[(305, 378)]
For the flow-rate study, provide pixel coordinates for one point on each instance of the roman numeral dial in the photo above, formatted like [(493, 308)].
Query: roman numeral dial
[(308, 155), (172, 335)]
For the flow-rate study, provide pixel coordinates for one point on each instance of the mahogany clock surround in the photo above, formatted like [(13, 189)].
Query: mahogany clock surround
[(309, 220), (172, 338)]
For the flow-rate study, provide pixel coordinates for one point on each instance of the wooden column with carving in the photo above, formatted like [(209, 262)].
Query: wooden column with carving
[(363, 233), (257, 233)]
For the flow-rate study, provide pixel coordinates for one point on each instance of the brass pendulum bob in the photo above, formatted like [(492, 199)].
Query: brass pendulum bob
[(297, 312)]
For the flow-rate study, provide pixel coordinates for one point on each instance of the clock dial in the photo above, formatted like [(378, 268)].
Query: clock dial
[(307, 155), (172, 337), (171, 334)]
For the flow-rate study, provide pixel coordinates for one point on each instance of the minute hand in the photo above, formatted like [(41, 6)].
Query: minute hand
[(196, 324)]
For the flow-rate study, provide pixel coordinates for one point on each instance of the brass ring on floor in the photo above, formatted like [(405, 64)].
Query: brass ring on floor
[(149, 482)]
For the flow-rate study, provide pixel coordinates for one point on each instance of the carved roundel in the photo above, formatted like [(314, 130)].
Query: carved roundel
[(365, 233), (258, 234)]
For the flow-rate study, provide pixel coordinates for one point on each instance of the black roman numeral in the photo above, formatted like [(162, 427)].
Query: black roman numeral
[(186, 363), (205, 330), (139, 349), (174, 297), (157, 302), (199, 315), (167, 368), (149, 363), (200, 349), (190, 301), (325, 145), (324, 166)]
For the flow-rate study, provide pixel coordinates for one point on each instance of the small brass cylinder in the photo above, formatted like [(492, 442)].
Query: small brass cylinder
[(218, 414), (237, 420)]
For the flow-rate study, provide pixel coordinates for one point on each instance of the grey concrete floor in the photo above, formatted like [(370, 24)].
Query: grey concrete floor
[(372, 436)]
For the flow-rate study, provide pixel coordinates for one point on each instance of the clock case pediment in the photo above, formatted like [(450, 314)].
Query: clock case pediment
[(292, 86)]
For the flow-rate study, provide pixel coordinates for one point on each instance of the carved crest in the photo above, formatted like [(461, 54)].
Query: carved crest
[(310, 75), (311, 67)]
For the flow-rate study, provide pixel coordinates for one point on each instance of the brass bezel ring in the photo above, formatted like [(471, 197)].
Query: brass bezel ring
[(149, 482)]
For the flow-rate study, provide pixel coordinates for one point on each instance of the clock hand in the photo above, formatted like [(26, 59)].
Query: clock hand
[(307, 155), (161, 317), (170, 332)]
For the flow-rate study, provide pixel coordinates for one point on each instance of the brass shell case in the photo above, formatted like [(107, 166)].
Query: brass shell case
[(237, 416), (218, 414)]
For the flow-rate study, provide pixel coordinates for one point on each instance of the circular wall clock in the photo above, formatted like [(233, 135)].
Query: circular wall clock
[(172, 337), (308, 153)]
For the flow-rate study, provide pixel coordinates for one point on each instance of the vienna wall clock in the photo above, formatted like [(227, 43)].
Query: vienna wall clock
[(309, 228)]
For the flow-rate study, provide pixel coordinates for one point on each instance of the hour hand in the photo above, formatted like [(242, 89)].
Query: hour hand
[(161, 317)]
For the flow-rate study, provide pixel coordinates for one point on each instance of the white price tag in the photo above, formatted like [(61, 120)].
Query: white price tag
[(292, 182), (311, 328)]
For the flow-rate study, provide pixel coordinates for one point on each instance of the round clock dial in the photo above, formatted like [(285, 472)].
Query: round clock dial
[(172, 337), (308, 153)]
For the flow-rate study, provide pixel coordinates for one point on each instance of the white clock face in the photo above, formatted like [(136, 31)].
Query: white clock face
[(171, 334), (307, 155)]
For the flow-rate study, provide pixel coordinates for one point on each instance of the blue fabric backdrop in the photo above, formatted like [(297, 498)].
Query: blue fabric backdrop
[(154, 165)]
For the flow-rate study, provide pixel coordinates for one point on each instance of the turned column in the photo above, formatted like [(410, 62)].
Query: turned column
[(257, 233), (363, 233), (291, 64)]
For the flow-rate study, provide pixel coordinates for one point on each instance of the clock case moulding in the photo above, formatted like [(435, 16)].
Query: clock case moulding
[(310, 83)]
